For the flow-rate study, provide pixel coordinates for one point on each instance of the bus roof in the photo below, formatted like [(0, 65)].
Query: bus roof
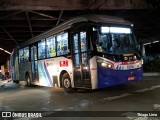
[(67, 24)]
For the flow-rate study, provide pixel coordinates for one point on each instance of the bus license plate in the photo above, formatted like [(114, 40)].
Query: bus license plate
[(131, 78)]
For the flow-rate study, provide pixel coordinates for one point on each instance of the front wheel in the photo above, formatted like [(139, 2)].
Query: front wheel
[(66, 83)]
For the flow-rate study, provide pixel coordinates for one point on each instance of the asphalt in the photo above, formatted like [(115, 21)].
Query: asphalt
[(125, 99)]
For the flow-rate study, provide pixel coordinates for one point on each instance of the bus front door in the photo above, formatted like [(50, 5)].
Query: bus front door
[(34, 63), (80, 60)]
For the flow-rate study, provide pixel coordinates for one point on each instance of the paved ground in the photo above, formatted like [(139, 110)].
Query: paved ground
[(139, 96)]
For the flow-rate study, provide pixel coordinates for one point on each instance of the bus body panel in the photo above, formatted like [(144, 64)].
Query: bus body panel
[(93, 69), (108, 77), (119, 73), (23, 69), (48, 69)]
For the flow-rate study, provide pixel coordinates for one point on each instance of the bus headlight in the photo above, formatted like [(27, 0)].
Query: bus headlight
[(108, 65), (104, 64)]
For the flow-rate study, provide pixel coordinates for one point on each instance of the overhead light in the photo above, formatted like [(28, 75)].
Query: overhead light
[(147, 43), (155, 42), (5, 51), (1, 49)]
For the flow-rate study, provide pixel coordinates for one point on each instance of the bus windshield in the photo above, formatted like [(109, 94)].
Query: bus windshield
[(116, 40)]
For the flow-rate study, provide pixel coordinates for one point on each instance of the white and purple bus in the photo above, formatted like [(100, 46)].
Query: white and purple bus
[(78, 54)]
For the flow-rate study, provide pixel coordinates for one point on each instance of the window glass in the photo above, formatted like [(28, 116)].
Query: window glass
[(83, 41), (51, 47), (116, 40), (76, 43), (62, 44), (26, 54), (34, 52), (21, 59), (41, 50), (76, 50)]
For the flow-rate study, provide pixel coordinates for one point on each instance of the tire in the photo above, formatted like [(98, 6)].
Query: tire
[(66, 83), (16, 81), (28, 80)]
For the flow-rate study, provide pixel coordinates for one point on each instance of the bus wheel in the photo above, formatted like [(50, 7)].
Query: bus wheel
[(16, 81), (66, 83), (28, 80)]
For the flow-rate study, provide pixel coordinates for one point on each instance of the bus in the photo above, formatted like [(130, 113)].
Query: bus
[(77, 54)]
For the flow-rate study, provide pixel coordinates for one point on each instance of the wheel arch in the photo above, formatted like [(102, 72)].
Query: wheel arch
[(61, 74)]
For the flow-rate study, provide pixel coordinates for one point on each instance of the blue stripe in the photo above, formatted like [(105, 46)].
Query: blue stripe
[(47, 74)]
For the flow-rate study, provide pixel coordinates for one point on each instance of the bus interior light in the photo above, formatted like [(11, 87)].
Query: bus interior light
[(120, 30), (105, 29)]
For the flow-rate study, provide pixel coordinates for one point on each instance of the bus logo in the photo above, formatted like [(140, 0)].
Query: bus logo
[(63, 63)]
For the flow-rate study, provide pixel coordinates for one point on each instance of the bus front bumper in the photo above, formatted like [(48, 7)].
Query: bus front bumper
[(109, 77)]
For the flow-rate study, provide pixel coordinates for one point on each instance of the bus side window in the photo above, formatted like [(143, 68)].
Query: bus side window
[(26, 54), (51, 47), (41, 50), (62, 44), (21, 55)]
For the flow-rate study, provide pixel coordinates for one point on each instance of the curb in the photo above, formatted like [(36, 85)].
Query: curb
[(151, 74)]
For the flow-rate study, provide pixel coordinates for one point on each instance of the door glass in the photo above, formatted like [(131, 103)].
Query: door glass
[(84, 56), (83, 41), (34, 63), (76, 60), (76, 50), (35, 53), (32, 53)]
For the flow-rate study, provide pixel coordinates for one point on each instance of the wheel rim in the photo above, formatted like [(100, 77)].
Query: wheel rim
[(66, 83)]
